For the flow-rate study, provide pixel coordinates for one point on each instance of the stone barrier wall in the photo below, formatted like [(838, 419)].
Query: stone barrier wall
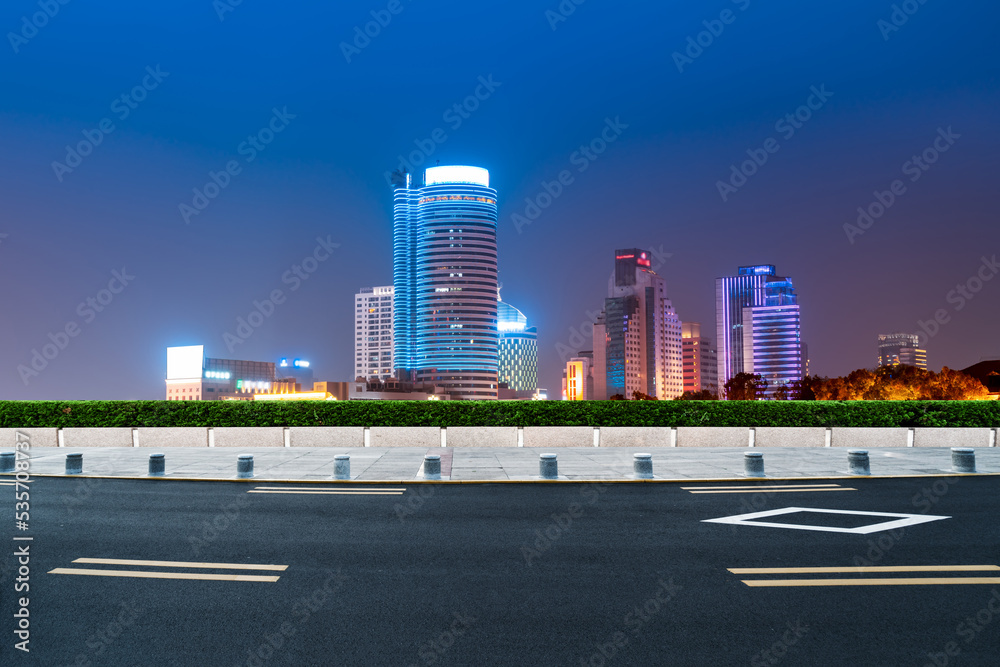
[(504, 436)]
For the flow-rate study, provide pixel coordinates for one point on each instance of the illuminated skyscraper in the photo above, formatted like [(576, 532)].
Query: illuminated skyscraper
[(758, 326), (445, 280), (637, 338), (518, 349), (901, 348)]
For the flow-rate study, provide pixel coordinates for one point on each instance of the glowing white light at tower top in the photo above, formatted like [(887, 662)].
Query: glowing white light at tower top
[(457, 174)]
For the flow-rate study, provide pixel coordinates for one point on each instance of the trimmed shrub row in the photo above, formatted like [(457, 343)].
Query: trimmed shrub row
[(66, 414)]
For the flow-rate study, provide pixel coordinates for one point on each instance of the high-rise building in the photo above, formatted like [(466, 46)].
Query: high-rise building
[(758, 326), (701, 362), (373, 333), (637, 337), (901, 348), (445, 280), (518, 349)]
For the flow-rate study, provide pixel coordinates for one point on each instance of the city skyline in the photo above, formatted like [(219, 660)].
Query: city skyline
[(160, 191)]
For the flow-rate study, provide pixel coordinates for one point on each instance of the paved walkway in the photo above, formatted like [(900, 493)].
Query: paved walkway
[(509, 464)]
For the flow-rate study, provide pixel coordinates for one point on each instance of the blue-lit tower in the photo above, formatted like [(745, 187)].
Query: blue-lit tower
[(759, 327), (445, 280)]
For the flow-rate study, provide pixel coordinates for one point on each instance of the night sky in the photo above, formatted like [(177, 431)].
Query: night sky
[(338, 117)]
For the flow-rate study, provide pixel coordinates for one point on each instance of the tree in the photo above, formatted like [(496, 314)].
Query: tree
[(703, 395), (745, 387), (639, 396)]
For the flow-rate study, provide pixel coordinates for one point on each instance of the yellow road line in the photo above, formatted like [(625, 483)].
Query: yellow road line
[(179, 563), (325, 488), (755, 486), (789, 490), (333, 493), (876, 568), (908, 581), (164, 575)]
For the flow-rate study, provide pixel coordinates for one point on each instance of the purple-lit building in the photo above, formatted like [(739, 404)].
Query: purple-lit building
[(759, 327)]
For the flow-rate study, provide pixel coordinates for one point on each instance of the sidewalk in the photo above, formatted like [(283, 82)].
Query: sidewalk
[(397, 465)]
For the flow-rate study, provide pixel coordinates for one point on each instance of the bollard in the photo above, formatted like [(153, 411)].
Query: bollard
[(753, 464), (858, 463), (157, 465), (642, 466), (432, 466), (244, 466), (74, 464), (7, 461), (341, 466), (548, 466), (963, 459)]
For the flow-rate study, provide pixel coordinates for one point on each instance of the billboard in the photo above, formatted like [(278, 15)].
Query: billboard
[(185, 363)]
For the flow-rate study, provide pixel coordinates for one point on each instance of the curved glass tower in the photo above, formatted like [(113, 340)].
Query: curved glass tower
[(445, 275)]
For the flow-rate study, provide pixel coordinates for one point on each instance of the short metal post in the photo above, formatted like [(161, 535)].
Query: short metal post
[(548, 466), (7, 461), (963, 459), (432, 466), (341, 466), (642, 466), (157, 465), (858, 462), (74, 464), (244, 466), (753, 464)]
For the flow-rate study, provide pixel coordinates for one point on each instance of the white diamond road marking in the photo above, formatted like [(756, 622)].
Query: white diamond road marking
[(900, 520)]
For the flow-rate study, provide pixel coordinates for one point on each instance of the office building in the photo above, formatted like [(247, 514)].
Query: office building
[(578, 378), (758, 327), (373, 333), (518, 350), (445, 281), (701, 362), (637, 337), (901, 348), (191, 376)]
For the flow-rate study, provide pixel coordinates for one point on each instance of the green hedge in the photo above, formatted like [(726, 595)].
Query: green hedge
[(64, 414)]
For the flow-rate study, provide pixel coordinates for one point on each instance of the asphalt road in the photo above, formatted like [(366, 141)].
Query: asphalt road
[(505, 574)]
